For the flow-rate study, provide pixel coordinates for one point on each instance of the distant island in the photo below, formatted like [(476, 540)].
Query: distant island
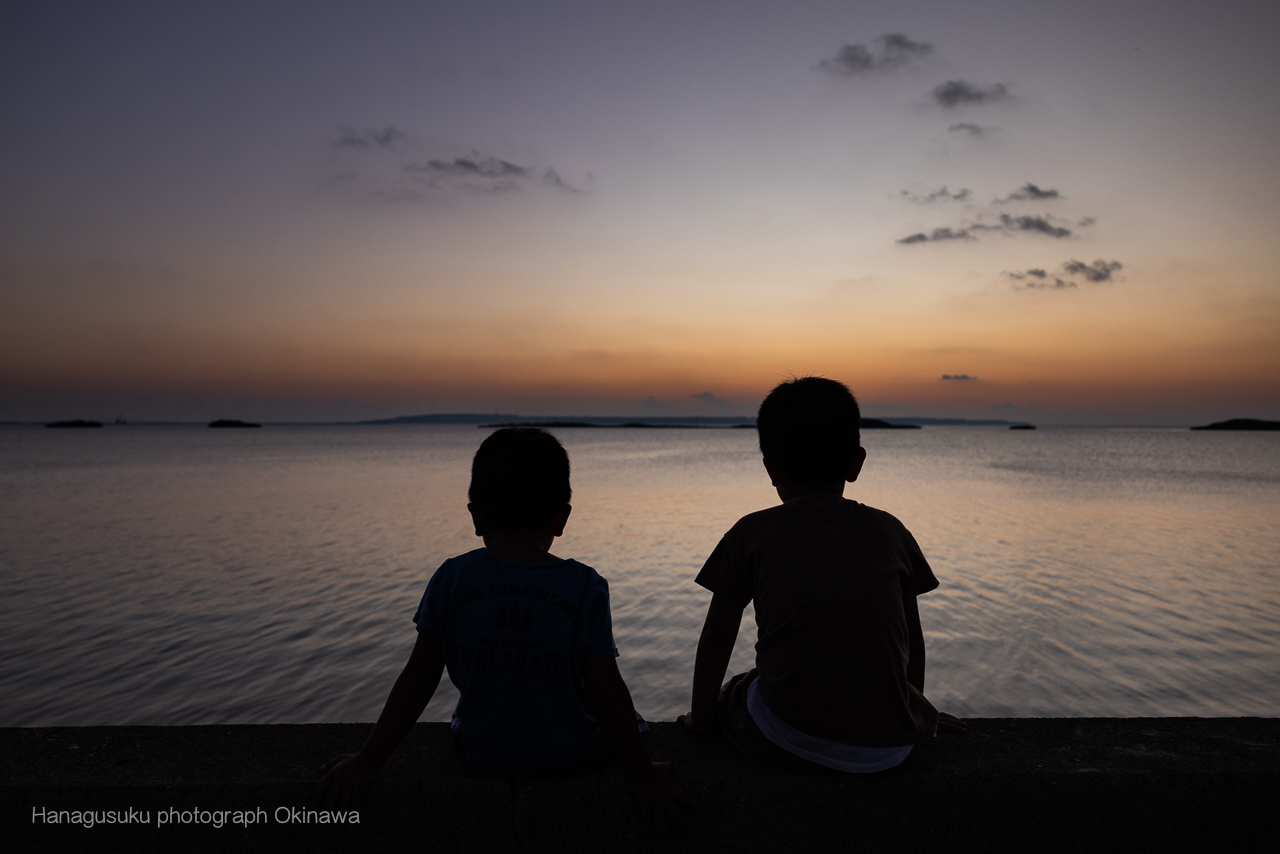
[(866, 424), (1022, 426), (877, 424), (79, 422), (634, 421), (232, 422), (1241, 424), (603, 425)]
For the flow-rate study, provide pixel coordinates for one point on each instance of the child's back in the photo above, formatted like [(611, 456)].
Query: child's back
[(839, 675), (514, 635), (527, 639), (829, 577)]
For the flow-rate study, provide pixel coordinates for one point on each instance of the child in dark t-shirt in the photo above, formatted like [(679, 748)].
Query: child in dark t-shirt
[(527, 639), (839, 676)]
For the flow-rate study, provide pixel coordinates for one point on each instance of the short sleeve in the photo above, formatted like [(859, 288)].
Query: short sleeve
[(726, 572), (922, 577), (431, 612), (599, 621)]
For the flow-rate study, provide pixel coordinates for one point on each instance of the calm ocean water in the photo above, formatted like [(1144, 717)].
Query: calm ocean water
[(180, 575)]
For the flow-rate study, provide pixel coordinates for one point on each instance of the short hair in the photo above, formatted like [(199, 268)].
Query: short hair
[(520, 478), (809, 426)]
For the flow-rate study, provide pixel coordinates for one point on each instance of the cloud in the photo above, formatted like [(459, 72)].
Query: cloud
[(389, 165), (1007, 224), (477, 165), (1034, 224), (937, 235), (484, 174), (962, 377), (719, 404), (954, 93), (551, 178), (970, 128), (1086, 222), (1037, 279), (1030, 193), (940, 195), (387, 137), (892, 50), (1099, 271)]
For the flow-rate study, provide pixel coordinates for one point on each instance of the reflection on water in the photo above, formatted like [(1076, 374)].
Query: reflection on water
[(182, 575)]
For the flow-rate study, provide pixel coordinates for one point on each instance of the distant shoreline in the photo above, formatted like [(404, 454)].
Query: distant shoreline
[(744, 421)]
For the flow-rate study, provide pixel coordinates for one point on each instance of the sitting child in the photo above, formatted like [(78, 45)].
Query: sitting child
[(528, 641), (839, 676)]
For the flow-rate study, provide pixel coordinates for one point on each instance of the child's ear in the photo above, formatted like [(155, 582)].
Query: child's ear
[(856, 468), (558, 521), (477, 519), (774, 470)]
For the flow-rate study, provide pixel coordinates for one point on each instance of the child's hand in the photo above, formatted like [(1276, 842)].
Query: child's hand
[(344, 781), (698, 728), (950, 723), (657, 796)]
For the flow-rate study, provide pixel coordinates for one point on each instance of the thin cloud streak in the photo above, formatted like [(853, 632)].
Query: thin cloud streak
[(386, 137), (955, 93), (1039, 279), (942, 194), (1031, 193)]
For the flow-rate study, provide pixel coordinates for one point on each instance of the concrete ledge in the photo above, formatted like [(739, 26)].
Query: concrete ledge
[(1026, 785)]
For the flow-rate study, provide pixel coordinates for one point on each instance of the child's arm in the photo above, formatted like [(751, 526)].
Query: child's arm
[(650, 782), (348, 775), (715, 646), (915, 643), (915, 663)]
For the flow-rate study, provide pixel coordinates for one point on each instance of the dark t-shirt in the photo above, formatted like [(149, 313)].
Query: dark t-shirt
[(514, 636), (829, 577)]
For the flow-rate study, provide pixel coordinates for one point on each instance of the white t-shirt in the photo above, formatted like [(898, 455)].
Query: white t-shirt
[(831, 754)]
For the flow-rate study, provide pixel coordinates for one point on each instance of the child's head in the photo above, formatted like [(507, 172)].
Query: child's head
[(809, 428), (520, 479)]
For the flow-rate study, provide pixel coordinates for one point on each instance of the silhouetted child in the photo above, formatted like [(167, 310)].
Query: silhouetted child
[(839, 675), (528, 641)]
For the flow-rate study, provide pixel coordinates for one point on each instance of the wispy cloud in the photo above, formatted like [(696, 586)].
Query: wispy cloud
[(970, 129), (551, 178), (386, 137), (1098, 271), (476, 164), (938, 235), (1031, 193), (888, 52), (1034, 224), (942, 194), (961, 377), (955, 93), (484, 173), (1009, 225), (1038, 279), (379, 177)]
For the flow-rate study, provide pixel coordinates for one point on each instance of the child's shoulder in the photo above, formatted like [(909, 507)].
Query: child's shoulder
[(822, 510), (481, 561)]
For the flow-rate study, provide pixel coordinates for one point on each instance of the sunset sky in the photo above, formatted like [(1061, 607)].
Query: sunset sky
[(1065, 213)]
